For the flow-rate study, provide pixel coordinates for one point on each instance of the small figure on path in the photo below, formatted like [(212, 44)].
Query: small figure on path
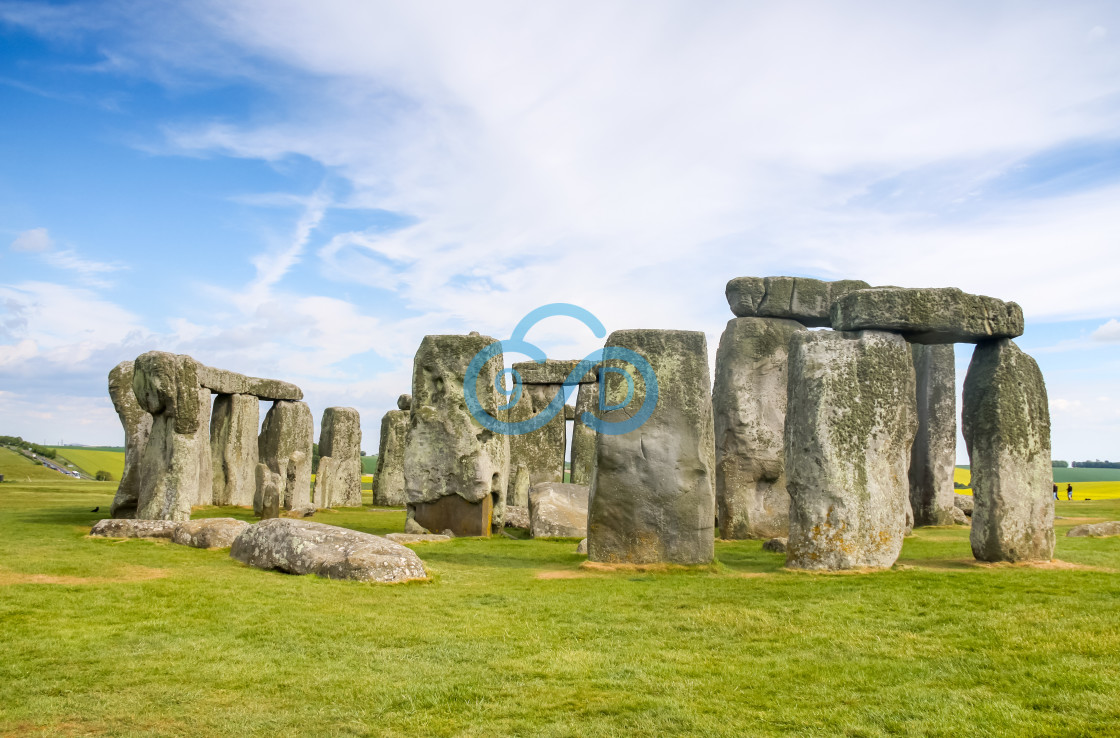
[(1069, 492), (1055, 491)]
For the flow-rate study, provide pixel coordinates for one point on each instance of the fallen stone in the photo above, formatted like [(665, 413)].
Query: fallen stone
[(582, 547), (1095, 530), (958, 517), (1006, 425), (233, 448), (652, 497), (928, 315), (963, 503), (303, 547), (517, 516), (405, 538), (455, 471), (284, 445), (796, 298), (749, 407), (223, 382), (558, 510), (137, 424), (388, 482), (338, 483), (851, 419), (934, 452), (208, 532), (775, 545), (130, 528)]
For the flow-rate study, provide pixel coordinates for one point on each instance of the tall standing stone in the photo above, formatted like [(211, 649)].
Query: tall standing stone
[(653, 490), (137, 425), (388, 484), (285, 447), (850, 421), (205, 461), (749, 405), (233, 448), (583, 435), (455, 470), (934, 453), (338, 482), (1006, 424), (166, 385), (542, 451)]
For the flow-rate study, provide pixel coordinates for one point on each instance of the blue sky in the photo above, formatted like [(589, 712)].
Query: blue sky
[(305, 190)]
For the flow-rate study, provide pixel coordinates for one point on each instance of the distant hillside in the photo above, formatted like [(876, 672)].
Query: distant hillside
[(18, 468), (90, 460), (119, 449)]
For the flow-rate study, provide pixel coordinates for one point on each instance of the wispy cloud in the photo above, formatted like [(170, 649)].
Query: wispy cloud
[(34, 240), (1108, 333)]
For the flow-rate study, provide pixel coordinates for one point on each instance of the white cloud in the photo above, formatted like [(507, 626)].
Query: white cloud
[(1108, 333), (35, 240)]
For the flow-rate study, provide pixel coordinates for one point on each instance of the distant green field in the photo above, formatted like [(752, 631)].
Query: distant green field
[(1064, 476), (94, 448), (92, 461), (369, 465), (18, 468)]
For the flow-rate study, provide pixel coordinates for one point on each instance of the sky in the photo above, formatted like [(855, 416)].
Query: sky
[(304, 190)]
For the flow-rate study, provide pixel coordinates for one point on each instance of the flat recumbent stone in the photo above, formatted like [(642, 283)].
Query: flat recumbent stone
[(928, 315)]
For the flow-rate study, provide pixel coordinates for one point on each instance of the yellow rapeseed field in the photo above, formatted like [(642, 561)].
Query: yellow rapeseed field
[(1081, 490)]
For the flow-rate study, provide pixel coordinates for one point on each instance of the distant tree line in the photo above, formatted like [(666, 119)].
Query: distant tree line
[(18, 442), (1059, 464), (1098, 464)]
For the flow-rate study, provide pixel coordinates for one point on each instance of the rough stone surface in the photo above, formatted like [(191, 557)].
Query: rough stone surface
[(934, 453), (411, 527), (963, 503), (958, 517), (1096, 530), (517, 517), (208, 533), (518, 494), (797, 298), (582, 547), (653, 490), (268, 491), (850, 421), (205, 460), (223, 382), (166, 385), (542, 451), (284, 446), (388, 483), (233, 448), (749, 406), (552, 371), (449, 454), (775, 545), (558, 510), (137, 426), (130, 528), (405, 538), (583, 435), (928, 315), (304, 547), (1006, 425), (338, 483), (404, 402)]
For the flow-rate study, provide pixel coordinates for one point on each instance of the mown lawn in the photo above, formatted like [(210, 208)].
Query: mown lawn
[(513, 637)]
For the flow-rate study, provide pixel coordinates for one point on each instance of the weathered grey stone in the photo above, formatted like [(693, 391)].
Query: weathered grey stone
[(517, 517), (303, 547), (582, 547), (1095, 530), (411, 527), (963, 503), (934, 452), (284, 446), (208, 533), (408, 538), (797, 298), (558, 510), (166, 385), (583, 435), (130, 528), (233, 448), (388, 483), (518, 494), (653, 490), (749, 405), (223, 382), (958, 517), (1006, 425), (268, 492), (775, 545), (551, 372), (137, 425), (338, 482), (404, 402), (542, 451), (205, 461), (850, 421), (455, 470), (928, 315)]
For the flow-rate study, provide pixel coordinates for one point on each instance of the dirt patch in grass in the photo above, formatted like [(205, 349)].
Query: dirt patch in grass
[(128, 574), (565, 574), (643, 568), (965, 564)]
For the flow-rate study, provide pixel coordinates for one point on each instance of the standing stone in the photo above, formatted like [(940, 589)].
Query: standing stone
[(541, 451), (558, 510), (205, 461), (1006, 424), (338, 482), (268, 493), (850, 421), (934, 453), (137, 425), (285, 447), (749, 405), (388, 484), (653, 490), (166, 385), (583, 435), (455, 470), (233, 448)]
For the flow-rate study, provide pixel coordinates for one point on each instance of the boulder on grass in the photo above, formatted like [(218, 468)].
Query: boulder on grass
[(517, 517), (417, 537), (131, 528), (958, 516), (558, 510), (208, 533), (963, 503), (303, 547), (1096, 530), (775, 545)]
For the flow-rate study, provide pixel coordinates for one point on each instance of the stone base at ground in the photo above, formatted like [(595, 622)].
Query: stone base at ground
[(129, 528), (775, 545), (417, 537), (517, 516), (558, 510), (454, 513), (963, 503), (958, 516), (303, 547), (208, 533)]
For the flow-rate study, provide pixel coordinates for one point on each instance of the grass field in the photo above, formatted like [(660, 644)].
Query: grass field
[(17, 468), (92, 461), (513, 637), (1099, 490)]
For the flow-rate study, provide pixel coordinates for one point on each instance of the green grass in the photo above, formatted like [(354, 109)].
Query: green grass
[(369, 465), (18, 468), (92, 461), (145, 638)]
